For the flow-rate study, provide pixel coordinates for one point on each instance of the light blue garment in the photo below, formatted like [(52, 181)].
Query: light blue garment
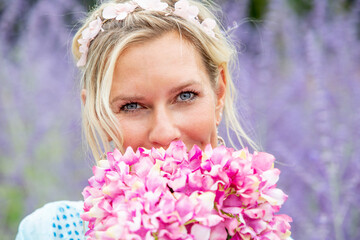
[(55, 220)]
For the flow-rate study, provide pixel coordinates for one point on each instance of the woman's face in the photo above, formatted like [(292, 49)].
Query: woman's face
[(161, 92)]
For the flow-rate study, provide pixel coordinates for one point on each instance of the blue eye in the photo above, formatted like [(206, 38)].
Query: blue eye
[(130, 107), (185, 96)]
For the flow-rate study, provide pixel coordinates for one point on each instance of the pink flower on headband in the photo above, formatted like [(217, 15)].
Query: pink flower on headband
[(184, 10), (190, 13), (94, 28), (208, 26), (118, 11), (87, 35), (83, 50), (153, 5)]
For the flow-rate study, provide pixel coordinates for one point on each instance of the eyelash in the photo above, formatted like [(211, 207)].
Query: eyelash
[(123, 107), (194, 95), (193, 92)]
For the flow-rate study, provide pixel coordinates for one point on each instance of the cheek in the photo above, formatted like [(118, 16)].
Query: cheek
[(133, 133), (200, 124)]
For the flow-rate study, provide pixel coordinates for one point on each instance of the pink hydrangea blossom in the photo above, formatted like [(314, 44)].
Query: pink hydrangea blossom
[(175, 194)]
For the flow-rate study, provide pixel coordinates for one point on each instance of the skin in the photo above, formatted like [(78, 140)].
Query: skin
[(162, 93)]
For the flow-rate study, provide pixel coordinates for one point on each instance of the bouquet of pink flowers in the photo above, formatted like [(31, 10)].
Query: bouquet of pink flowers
[(174, 194)]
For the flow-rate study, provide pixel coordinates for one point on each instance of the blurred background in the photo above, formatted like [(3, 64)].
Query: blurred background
[(298, 78)]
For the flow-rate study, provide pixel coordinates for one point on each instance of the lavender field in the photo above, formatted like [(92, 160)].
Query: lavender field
[(298, 77)]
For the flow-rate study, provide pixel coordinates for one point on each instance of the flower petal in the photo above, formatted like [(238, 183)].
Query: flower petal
[(200, 232)]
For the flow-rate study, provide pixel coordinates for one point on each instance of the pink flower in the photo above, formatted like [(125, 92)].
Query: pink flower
[(218, 232), (177, 151), (200, 232), (190, 13), (184, 10), (274, 196), (262, 161), (152, 5), (87, 35), (208, 26), (118, 11), (92, 30)]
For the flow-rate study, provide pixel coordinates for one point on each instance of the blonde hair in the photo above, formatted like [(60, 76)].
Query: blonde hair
[(99, 122)]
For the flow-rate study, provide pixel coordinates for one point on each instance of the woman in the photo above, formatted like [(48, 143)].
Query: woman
[(153, 72)]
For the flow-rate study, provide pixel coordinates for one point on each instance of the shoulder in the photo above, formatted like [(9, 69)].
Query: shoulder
[(55, 220)]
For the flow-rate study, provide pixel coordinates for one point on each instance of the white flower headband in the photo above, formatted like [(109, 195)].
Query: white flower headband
[(121, 10)]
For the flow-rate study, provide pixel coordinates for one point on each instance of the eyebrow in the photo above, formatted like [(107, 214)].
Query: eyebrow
[(185, 85), (127, 98), (141, 98)]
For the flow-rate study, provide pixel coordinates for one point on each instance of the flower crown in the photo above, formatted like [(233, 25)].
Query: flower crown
[(120, 11)]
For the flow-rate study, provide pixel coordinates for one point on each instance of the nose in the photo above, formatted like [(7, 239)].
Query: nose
[(164, 128)]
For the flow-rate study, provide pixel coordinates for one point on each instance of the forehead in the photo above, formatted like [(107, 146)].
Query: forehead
[(167, 63), (168, 48), (168, 54)]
